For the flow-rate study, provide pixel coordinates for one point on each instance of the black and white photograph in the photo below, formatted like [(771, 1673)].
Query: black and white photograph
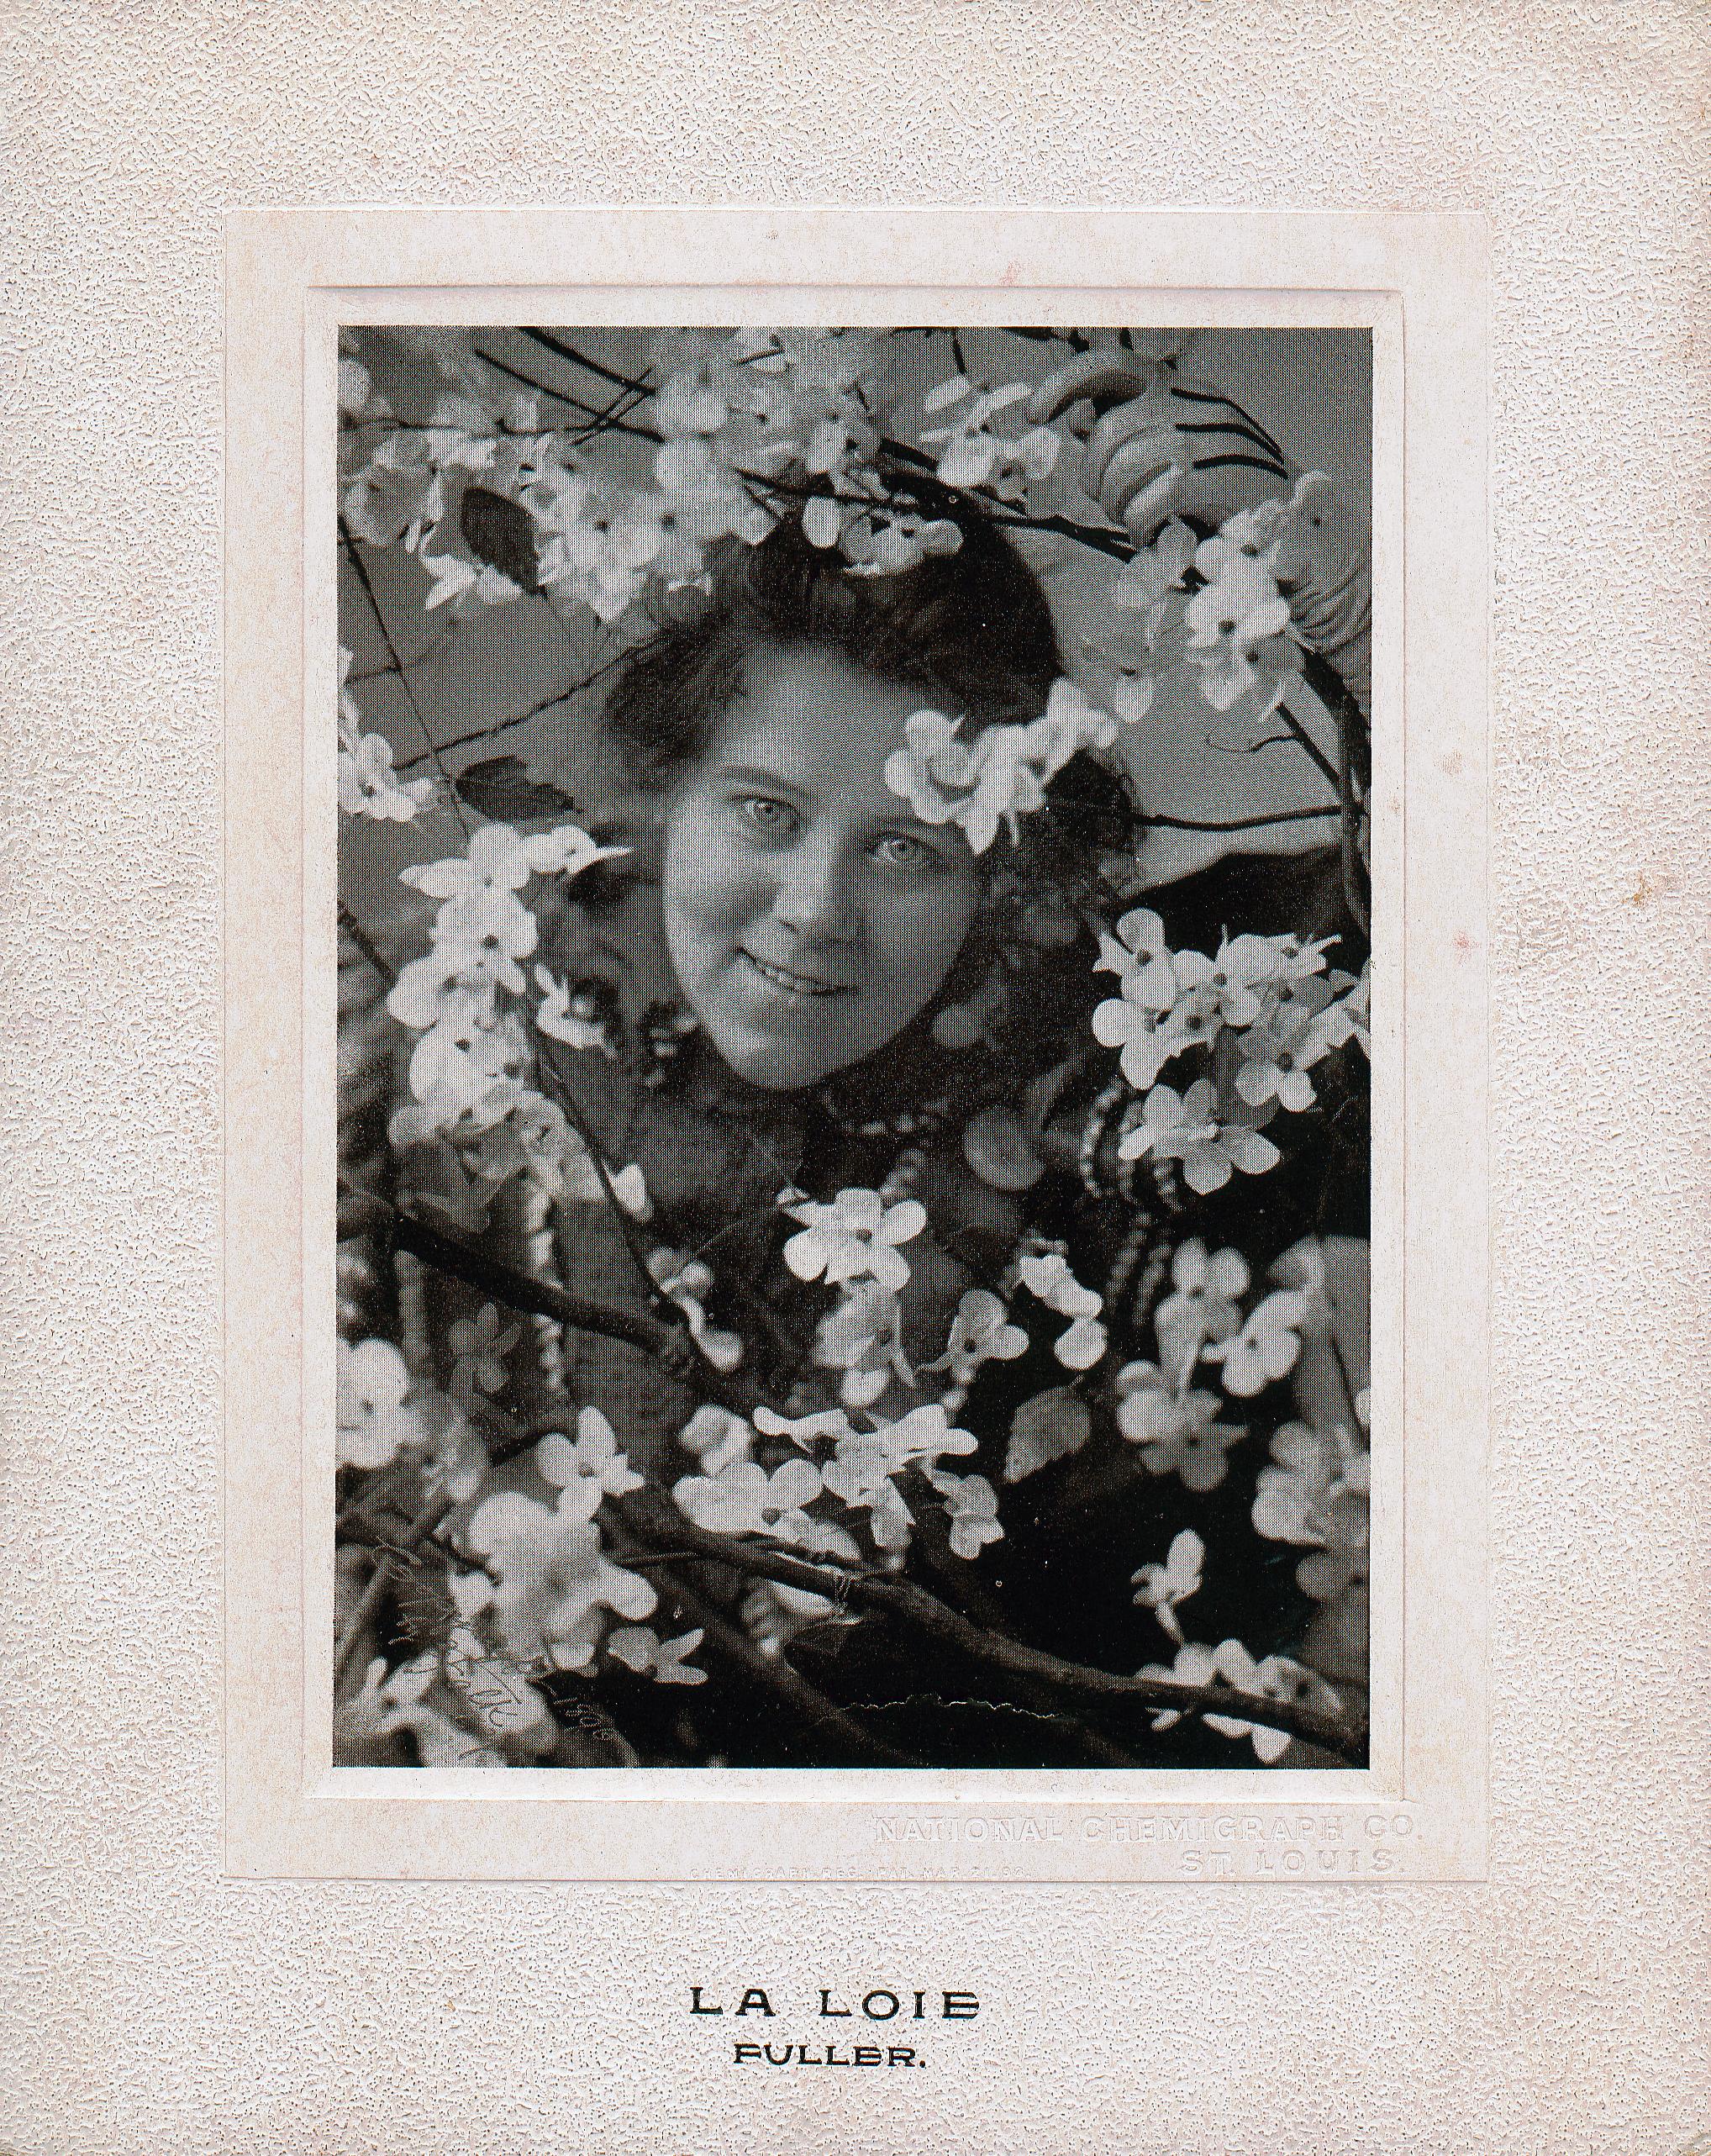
[(854, 1158), (855, 877)]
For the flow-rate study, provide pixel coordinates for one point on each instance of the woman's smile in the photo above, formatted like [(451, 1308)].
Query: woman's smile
[(793, 983), (809, 912)]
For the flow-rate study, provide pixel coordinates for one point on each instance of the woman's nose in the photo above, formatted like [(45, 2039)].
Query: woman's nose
[(816, 896)]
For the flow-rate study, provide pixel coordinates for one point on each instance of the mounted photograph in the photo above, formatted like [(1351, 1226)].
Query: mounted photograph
[(855, 932)]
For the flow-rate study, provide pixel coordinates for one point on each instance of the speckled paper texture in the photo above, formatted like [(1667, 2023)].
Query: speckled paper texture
[(148, 2002)]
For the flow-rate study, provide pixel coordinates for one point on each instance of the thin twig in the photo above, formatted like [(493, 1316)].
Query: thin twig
[(1306, 740), (634, 1241), (533, 381), (355, 556), (579, 359), (505, 725)]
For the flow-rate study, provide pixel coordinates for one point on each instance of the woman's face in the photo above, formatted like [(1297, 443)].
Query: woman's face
[(808, 913)]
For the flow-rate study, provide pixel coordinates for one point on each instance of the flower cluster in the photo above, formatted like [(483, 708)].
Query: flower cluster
[(547, 1586), (855, 1466), (368, 784), (1002, 773), (1262, 995), (468, 1072), (1202, 1320), (973, 454), (1317, 1492), (1274, 1678), (1220, 605)]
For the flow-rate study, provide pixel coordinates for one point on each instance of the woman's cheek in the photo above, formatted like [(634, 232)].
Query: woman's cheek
[(709, 882), (927, 928)]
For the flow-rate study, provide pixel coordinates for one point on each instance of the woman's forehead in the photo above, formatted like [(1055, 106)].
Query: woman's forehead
[(809, 714)]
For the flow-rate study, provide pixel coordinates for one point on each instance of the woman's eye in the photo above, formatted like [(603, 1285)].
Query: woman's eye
[(898, 850), (776, 819)]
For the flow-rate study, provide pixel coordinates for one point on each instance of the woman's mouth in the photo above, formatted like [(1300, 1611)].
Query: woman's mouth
[(788, 983)]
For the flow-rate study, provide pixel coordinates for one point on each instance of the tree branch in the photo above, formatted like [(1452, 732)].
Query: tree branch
[(771, 1672), (925, 1614), (505, 725), (365, 1212), (1244, 823)]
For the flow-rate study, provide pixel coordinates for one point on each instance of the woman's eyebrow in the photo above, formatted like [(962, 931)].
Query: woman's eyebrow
[(755, 774)]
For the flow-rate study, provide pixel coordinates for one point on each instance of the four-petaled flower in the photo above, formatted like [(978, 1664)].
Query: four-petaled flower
[(972, 453), (459, 1061), (558, 1018), (1145, 582), (480, 1345), (976, 784), (373, 1419), (861, 1473), (1267, 1346), (1178, 1432), (1278, 1053), (1141, 957), (1317, 1493), (607, 538), (399, 497), (742, 1499), (1160, 1587), (368, 785), (1188, 1127), (639, 1647), (588, 1469), (862, 1476), (1002, 773), (854, 1237), (980, 1333)]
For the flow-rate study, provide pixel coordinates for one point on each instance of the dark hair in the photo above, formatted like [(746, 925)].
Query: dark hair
[(970, 630)]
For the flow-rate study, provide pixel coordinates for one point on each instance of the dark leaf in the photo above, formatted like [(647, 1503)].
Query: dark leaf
[(502, 533), (504, 791), (1048, 1427)]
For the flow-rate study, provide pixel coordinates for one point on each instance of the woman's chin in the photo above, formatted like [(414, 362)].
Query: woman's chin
[(775, 1062)]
